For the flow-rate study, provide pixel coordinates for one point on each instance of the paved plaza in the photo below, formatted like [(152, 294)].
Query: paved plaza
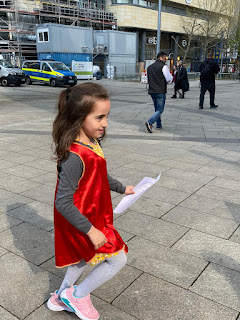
[(183, 235)]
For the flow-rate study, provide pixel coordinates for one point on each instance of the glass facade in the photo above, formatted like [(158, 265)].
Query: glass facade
[(140, 3), (93, 4), (166, 7)]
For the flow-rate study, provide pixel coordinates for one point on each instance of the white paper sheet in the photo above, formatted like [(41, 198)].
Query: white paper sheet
[(139, 189)]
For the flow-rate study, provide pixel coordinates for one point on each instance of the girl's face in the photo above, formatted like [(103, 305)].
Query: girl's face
[(95, 123)]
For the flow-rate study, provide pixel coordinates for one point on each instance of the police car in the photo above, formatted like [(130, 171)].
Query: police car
[(52, 72)]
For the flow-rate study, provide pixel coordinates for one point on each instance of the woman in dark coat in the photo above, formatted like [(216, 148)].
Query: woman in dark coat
[(182, 79)]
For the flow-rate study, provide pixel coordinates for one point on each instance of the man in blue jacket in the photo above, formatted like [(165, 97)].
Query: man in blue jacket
[(158, 76)]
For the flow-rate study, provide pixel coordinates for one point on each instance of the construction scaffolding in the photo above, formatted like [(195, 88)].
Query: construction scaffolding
[(18, 20)]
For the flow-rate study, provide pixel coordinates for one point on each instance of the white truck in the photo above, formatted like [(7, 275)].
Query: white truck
[(10, 75)]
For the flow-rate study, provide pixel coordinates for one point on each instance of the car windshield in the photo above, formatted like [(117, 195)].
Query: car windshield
[(59, 66), (6, 64)]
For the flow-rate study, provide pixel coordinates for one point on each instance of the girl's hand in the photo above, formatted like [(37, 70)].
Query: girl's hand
[(129, 190), (97, 238)]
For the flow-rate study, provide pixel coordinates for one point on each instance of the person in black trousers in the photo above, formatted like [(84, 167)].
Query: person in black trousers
[(181, 81), (208, 69)]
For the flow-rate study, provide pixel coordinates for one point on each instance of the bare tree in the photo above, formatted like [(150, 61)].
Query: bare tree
[(210, 23), (216, 17), (234, 31)]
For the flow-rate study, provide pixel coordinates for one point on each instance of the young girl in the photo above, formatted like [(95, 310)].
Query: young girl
[(83, 215)]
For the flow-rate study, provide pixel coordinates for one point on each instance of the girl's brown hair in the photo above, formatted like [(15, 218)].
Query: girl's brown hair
[(74, 105)]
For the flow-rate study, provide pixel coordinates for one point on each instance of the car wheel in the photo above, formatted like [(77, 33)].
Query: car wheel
[(53, 83), (4, 82), (28, 81)]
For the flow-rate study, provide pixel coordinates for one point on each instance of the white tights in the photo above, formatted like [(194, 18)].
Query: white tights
[(98, 276)]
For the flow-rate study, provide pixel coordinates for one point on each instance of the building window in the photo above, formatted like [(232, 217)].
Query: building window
[(40, 37), (140, 3), (121, 1), (174, 10), (43, 36)]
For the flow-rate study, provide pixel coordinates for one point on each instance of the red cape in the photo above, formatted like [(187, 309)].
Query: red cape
[(93, 199)]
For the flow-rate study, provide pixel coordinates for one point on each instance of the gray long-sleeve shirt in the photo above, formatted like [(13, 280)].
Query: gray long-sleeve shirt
[(70, 171)]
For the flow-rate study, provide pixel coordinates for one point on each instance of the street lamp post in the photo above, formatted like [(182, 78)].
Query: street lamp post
[(159, 25)]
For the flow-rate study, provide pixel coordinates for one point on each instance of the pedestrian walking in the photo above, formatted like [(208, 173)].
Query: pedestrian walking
[(83, 215), (158, 76), (181, 81), (208, 70), (174, 75)]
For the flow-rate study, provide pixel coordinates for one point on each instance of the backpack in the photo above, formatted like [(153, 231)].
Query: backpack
[(206, 71)]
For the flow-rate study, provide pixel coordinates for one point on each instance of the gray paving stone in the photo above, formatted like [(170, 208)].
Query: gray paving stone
[(5, 315), (126, 236), (42, 163), (43, 313), (185, 165), (206, 223), (218, 193), (115, 195), (210, 248), (40, 153), (236, 236), (225, 183), (25, 286), (188, 175), (153, 169), (150, 228), (167, 195), (50, 266), (211, 282), (131, 176), (16, 184), (25, 171), (113, 288), (29, 242), (2, 251), (18, 158), (151, 207), (132, 157), (36, 213), (45, 178), (5, 164), (12, 201), (7, 222), (164, 263), (179, 184), (219, 172), (107, 312), (44, 193), (151, 298), (220, 208)]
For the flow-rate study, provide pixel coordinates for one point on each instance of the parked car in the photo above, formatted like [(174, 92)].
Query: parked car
[(51, 72), (97, 73), (10, 74)]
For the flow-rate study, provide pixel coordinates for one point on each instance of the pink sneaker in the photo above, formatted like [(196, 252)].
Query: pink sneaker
[(82, 307), (55, 304)]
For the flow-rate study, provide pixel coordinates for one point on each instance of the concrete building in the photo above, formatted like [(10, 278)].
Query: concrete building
[(18, 20), (141, 16)]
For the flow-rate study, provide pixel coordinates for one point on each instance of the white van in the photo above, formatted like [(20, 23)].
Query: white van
[(10, 75)]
